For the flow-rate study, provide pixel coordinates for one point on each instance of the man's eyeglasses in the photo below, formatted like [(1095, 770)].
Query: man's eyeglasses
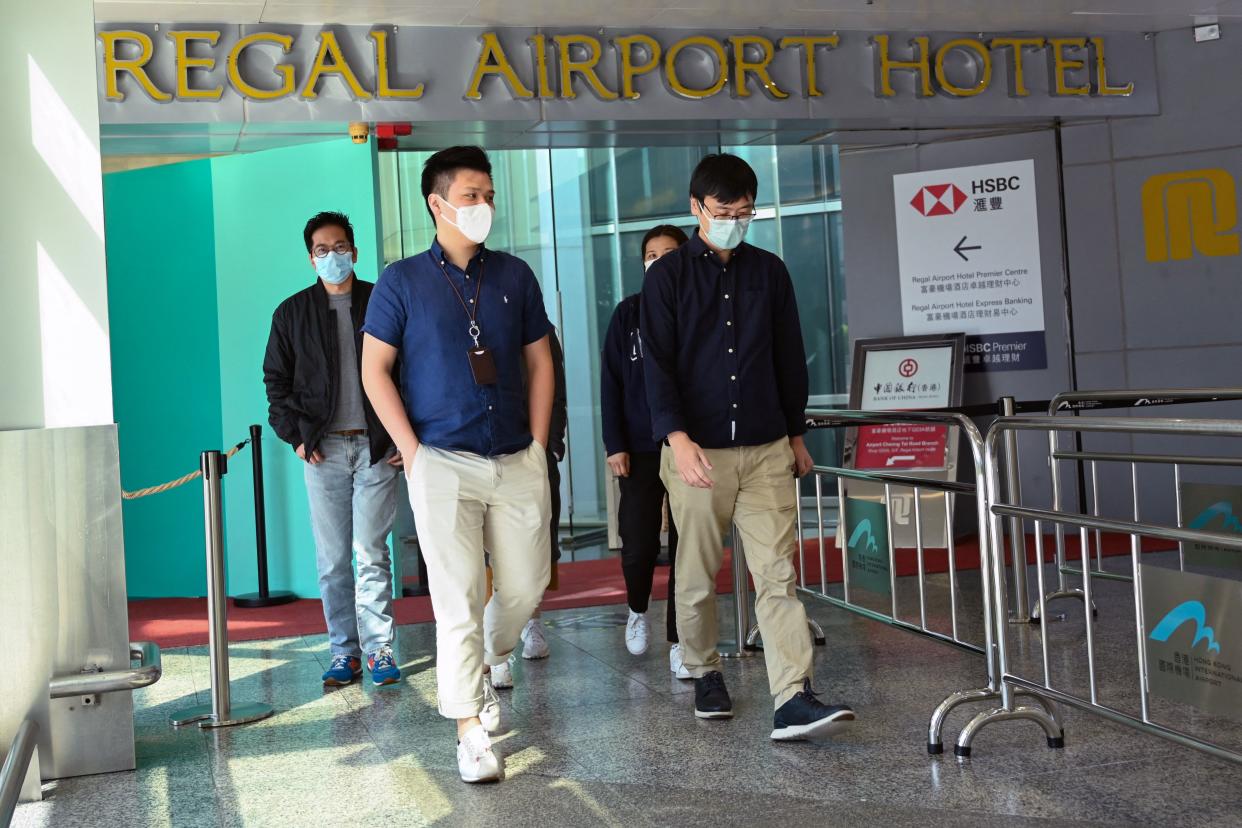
[(745, 214), (322, 251)]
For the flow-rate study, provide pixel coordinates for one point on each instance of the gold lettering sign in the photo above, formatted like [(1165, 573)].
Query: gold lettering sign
[(566, 63), (114, 66), (722, 67)]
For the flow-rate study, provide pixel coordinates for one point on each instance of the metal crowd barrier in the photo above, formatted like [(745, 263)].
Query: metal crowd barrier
[(1011, 681), (990, 550), (1076, 401)]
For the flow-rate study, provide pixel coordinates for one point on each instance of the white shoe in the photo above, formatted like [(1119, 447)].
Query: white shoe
[(476, 762), (637, 633), (489, 716), (676, 665), (502, 676), (534, 644)]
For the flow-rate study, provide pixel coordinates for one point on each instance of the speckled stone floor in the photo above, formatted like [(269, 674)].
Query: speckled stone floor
[(595, 736)]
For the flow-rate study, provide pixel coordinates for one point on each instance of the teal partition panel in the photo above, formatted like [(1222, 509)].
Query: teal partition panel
[(165, 364), (261, 203)]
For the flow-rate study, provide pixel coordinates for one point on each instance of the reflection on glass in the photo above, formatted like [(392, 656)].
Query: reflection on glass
[(577, 216)]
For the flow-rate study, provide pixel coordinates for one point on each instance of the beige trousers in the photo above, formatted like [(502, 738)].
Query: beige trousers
[(464, 503), (753, 489)]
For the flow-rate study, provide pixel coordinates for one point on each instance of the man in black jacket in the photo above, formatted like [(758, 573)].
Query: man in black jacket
[(312, 371)]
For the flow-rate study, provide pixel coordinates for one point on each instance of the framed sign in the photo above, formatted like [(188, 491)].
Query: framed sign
[(907, 373)]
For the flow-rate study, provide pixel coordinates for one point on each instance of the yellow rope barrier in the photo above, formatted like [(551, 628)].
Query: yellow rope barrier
[(180, 481)]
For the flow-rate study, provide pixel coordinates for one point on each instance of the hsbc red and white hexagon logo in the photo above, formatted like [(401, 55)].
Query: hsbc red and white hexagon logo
[(938, 200)]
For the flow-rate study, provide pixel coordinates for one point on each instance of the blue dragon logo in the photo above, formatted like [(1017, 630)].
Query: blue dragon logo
[(863, 532), (1188, 611), (1222, 510)]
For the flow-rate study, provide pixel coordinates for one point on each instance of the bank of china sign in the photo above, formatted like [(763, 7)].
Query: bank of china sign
[(443, 74)]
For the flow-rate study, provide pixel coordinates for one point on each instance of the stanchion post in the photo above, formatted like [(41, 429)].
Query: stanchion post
[(221, 712), (738, 648), (1021, 613), (264, 597)]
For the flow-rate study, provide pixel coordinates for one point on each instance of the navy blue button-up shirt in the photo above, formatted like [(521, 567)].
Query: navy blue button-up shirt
[(623, 392), (724, 356), (413, 309)]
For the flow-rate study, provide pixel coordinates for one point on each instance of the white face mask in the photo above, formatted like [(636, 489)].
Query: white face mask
[(647, 264), (334, 268), (724, 234), (474, 222)]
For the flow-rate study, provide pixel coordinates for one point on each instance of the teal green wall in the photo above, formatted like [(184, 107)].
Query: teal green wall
[(199, 255), (262, 202), (165, 364)]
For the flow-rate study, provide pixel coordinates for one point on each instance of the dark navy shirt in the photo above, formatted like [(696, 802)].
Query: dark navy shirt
[(413, 309), (623, 392), (724, 356)]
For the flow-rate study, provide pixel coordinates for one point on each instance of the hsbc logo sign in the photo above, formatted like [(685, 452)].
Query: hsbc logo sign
[(938, 200)]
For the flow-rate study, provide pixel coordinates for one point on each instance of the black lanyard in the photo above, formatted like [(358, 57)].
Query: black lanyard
[(478, 289)]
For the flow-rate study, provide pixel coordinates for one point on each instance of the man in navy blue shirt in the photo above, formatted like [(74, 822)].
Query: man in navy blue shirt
[(465, 321), (727, 385)]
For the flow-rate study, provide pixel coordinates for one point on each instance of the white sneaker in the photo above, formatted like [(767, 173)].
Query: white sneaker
[(637, 633), (489, 716), (502, 676), (676, 665), (476, 762), (534, 644)]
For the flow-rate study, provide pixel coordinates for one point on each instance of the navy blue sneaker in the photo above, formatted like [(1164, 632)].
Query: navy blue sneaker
[(343, 670), (383, 667), (806, 717)]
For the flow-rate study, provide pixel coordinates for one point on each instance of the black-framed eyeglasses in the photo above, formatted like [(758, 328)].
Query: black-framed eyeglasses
[(322, 252), (742, 215)]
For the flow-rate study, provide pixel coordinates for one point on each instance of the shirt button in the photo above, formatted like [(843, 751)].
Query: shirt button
[(729, 323), (472, 301), (489, 408), (733, 379), (730, 350), (735, 405), (726, 296)]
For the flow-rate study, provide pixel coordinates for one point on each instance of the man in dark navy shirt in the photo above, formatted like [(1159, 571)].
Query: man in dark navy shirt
[(727, 385), (465, 322)]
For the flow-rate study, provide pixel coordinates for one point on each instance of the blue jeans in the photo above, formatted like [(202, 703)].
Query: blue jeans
[(352, 505)]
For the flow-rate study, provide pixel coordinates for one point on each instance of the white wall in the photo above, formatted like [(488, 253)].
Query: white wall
[(53, 317)]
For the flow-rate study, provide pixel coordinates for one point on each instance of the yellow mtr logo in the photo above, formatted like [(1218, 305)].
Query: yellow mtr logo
[(1195, 211)]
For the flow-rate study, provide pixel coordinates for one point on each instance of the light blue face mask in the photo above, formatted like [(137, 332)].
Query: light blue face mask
[(335, 268), (725, 234)]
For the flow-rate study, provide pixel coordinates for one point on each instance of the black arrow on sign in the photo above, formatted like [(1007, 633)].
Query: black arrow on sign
[(960, 246)]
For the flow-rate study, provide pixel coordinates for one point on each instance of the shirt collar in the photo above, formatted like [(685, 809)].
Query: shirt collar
[(437, 252), (697, 248)]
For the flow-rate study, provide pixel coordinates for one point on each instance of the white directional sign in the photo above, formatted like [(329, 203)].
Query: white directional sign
[(968, 253)]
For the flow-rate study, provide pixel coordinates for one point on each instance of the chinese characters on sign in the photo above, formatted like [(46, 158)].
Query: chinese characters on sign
[(1193, 633), (904, 380), (968, 252)]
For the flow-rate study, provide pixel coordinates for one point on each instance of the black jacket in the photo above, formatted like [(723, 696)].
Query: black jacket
[(300, 368), (560, 412), (623, 392)]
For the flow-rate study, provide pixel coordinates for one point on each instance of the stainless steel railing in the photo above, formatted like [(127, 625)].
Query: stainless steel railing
[(989, 553), (1075, 401), (1013, 681)]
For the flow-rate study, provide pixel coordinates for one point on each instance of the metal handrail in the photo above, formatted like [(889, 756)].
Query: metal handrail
[(16, 763), (1144, 397), (1011, 683), (987, 548), (148, 672), (1129, 457)]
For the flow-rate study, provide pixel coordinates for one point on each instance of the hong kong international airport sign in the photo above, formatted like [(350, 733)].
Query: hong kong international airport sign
[(268, 72)]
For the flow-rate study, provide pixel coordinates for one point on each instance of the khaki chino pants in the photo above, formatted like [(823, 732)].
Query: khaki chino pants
[(753, 488), (464, 503)]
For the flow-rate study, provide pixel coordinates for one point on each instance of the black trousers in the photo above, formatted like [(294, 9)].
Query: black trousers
[(638, 517), (554, 480)]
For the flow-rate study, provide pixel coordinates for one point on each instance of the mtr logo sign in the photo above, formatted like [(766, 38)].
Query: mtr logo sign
[(947, 199)]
